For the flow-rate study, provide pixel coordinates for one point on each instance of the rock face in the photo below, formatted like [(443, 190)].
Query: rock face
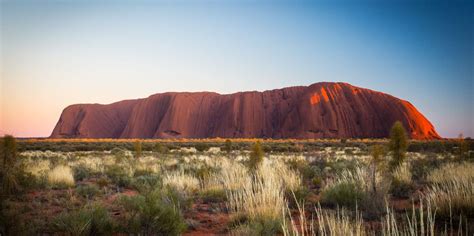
[(321, 110)]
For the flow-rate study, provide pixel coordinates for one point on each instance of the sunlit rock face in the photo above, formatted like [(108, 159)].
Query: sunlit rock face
[(321, 110)]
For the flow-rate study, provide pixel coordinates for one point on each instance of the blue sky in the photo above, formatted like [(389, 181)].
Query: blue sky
[(56, 53)]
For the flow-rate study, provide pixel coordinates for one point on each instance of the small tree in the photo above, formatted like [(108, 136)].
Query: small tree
[(377, 152), (228, 146), (8, 153), (256, 156), (398, 145), (160, 148), (137, 147), (463, 146)]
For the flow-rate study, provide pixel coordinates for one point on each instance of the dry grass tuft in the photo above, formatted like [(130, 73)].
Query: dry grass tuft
[(326, 222), (416, 224), (402, 174), (61, 176), (452, 190), (260, 196), (182, 182), (460, 172)]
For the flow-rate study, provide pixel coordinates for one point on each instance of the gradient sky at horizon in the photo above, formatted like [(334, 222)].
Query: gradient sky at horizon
[(57, 53)]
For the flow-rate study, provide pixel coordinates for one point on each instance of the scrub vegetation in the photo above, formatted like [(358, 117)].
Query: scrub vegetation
[(390, 186)]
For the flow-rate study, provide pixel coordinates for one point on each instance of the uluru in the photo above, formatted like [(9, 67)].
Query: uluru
[(321, 110)]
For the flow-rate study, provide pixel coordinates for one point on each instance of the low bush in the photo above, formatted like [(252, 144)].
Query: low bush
[(256, 157), (213, 195), (87, 191), (81, 172), (90, 220), (354, 189), (143, 172), (297, 196), (402, 185), (301, 166), (160, 148), (317, 182), (146, 183), (346, 194), (137, 148), (201, 147), (151, 214), (118, 175)]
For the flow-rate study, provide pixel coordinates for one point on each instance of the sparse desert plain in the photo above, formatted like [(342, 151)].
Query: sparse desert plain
[(237, 187)]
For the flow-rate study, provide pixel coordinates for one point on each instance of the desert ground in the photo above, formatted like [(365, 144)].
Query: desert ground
[(236, 187)]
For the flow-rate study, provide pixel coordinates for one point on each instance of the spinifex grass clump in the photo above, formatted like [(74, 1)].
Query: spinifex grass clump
[(61, 177), (462, 172), (260, 197), (420, 222), (402, 184), (352, 189), (348, 189), (324, 223), (452, 191), (183, 183)]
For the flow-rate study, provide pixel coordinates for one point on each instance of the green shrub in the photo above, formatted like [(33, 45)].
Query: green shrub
[(420, 168), (81, 172), (160, 148), (146, 183), (463, 147), (398, 144), (137, 148), (12, 222), (317, 182), (227, 146), (201, 147), (29, 181), (8, 151), (90, 220), (263, 227), (118, 175), (256, 156), (143, 172), (297, 197), (87, 191), (343, 194), (151, 214), (401, 189), (241, 225), (213, 195), (182, 201), (8, 159)]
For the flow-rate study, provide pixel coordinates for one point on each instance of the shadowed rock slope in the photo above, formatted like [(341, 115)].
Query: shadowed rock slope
[(321, 110)]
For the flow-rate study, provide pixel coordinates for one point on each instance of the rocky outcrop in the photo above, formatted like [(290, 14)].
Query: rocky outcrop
[(321, 110)]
